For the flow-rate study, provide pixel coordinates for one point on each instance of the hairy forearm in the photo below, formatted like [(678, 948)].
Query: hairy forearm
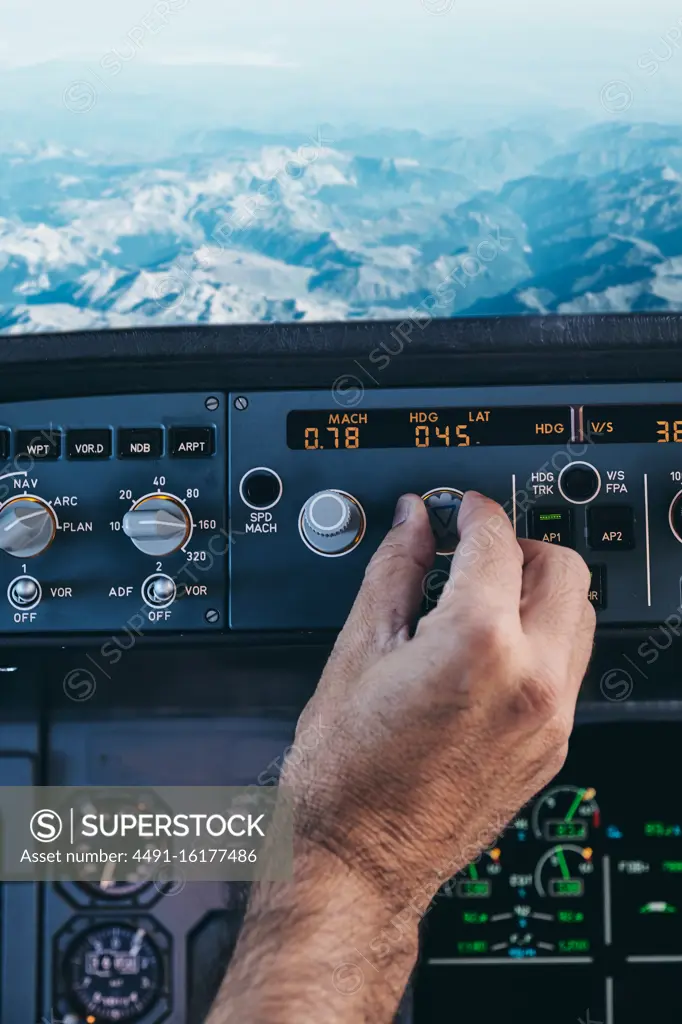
[(323, 948)]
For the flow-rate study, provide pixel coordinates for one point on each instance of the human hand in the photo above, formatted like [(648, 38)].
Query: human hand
[(427, 745), (433, 742)]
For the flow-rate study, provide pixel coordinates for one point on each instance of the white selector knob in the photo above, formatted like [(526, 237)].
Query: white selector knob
[(157, 525), (328, 513), (332, 523), (27, 527)]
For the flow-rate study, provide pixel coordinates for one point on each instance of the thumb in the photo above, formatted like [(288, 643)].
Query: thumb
[(392, 590)]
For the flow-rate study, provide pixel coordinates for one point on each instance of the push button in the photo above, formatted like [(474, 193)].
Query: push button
[(4, 444), (140, 443), (551, 525), (260, 488), (611, 528), (40, 445), (192, 442), (597, 592), (579, 482), (88, 444)]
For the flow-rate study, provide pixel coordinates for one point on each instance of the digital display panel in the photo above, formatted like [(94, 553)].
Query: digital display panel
[(329, 430), (632, 424)]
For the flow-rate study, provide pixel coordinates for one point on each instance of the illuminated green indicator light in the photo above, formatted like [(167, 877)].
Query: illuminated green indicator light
[(566, 887), (566, 830), (475, 888), (673, 867), (661, 830), (570, 916), (471, 917), (573, 945), (546, 517), (472, 947), (658, 907)]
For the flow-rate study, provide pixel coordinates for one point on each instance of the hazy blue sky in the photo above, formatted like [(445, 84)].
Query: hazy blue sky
[(418, 62)]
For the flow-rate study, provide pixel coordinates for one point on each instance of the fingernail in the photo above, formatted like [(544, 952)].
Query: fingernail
[(402, 511)]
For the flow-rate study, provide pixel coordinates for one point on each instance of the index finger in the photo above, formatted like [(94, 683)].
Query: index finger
[(487, 567), (554, 600)]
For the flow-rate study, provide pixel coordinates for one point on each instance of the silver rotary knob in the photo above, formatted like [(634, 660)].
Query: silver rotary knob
[(27, 527), (158, 525), (328, 513), (332, 522), (24, 593), (159, 591)]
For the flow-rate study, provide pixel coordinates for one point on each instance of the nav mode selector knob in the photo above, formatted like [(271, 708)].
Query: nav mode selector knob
[(332, 523), (579, 482), (158, 525), (24, 593), (159, 590), (27, 527)]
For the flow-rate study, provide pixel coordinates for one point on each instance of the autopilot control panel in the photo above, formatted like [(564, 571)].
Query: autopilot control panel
[(194, 513), (314, 477)]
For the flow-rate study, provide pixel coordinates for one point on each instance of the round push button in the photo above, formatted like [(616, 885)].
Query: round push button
[(443, 504), (332, 523), (261, 488), (579, 482)]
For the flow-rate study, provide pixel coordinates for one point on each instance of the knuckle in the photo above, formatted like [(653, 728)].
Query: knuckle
[(534, 698), (571, 564), (490, 640)]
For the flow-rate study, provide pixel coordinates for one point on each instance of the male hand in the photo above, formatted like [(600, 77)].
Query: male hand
[(428, 744), (433, 742)]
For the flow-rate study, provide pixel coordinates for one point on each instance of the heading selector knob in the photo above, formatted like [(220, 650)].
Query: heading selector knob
[(332, 522), (27, 527), (157, 525)]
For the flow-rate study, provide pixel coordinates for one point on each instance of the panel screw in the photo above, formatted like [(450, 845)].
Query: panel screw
[(212, 403), (212, 615), (241, 403)]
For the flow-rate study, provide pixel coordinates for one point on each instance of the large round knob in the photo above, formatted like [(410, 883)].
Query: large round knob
[(157, 525), (332, 522), (27, 527), (675, 516)]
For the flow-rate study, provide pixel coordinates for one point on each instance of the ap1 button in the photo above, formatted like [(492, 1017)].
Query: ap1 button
[(551, 525)]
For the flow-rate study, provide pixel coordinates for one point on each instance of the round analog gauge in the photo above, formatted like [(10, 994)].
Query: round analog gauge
[(113, 890), (110, 879), (563, 871), (566, 814), (114, 973)]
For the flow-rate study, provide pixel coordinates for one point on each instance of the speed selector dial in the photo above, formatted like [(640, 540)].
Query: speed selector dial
[(27, 527), (332, 523), (158, 525)]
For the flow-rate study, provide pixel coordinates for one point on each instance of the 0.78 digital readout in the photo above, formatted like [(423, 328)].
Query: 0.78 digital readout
[(329, 430)]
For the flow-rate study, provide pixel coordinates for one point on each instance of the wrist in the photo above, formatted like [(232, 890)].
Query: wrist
[(325, 935)]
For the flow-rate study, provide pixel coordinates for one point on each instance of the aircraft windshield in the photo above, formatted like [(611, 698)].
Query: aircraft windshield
[(168, 162)]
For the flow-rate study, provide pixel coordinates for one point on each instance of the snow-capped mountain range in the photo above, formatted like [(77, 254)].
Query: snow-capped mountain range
[(233, 226)]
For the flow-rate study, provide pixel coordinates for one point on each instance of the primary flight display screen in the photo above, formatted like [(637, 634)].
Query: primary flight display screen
[(328, 430), (633, 424)]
